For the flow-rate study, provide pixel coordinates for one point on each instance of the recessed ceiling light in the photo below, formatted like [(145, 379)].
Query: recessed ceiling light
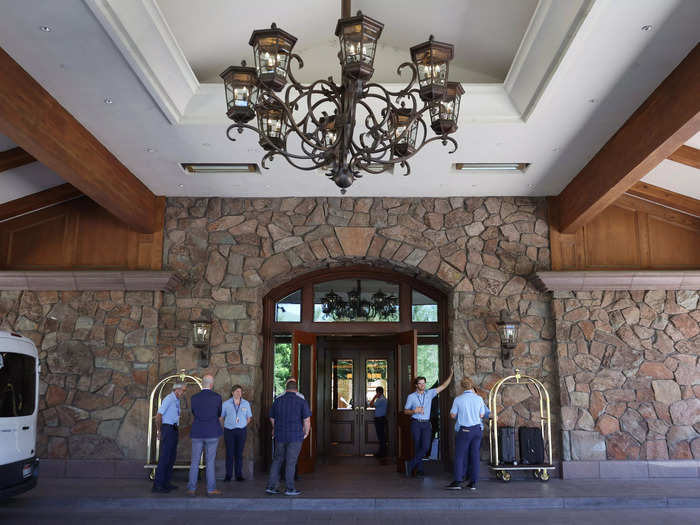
[(647, 28), (150, 150), (592, 100), (180, 186), (219, 168), (556, 149), (206, 144), (493, 166), (109, 101), (45, 29)]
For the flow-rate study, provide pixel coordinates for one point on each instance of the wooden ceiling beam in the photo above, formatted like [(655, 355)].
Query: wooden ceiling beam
[(686, 155), (666, 198), (35, 121), (39, 200), (14, 158), (667, 119)]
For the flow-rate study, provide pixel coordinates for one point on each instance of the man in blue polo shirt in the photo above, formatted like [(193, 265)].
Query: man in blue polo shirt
[(418, 407), (290, 417), (167, 420), (467, 409)]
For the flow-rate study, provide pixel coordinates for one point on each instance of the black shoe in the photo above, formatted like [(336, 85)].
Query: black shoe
[(240, 478), (292, 492), (160, 490), (455, 485), (227, 479), (471, 486), (272, 490), (172, 487)]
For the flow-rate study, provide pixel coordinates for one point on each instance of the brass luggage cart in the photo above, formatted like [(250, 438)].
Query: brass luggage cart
[(153, 444), (501, 469)]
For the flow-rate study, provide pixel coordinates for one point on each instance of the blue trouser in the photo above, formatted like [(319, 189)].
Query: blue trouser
[(287, 452), (380, 427), (235, 442), (210, 445), (166, 457), (420, 432), (467, 446)]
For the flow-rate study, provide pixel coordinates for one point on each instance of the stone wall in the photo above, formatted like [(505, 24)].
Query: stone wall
[(629, 374), (99, 361), (230, 252)]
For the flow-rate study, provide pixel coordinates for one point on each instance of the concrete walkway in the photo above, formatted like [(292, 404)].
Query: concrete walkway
[(382, 493)]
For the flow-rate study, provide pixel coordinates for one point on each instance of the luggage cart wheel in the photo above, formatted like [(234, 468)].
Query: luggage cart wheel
[(505, 476), (152, 474), (536, 474), (545, 475)]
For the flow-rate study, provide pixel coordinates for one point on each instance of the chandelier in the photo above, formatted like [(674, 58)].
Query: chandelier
[(322, 116), (380, 305)]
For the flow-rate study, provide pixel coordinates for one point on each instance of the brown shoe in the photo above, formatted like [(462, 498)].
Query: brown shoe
[(214, 492)]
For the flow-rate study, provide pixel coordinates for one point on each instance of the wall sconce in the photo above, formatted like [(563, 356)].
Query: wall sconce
[(201, 335), (508, 332)]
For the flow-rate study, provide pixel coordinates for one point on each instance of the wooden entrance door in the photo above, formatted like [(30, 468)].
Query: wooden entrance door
[(304, 371), (407, 362), (354, 374)]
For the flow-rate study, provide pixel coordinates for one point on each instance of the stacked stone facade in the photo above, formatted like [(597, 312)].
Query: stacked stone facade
[(229, 253), (99, 355), (629, 374)]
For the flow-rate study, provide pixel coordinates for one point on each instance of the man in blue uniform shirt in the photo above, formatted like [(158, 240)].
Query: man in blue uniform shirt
[(167, 420), (235, 415), (418, 407), (380, 403), (205, 433), (467, 409)]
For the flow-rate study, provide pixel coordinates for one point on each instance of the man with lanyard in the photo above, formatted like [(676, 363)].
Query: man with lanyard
[(418, 407), (167, 419), (235, 415), (379, 403), (467, 409)]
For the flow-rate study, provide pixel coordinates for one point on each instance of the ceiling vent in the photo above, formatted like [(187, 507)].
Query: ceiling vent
[(493, 166), (220, 168)]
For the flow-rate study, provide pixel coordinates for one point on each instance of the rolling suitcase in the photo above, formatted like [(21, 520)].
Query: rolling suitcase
[(506, 445), (531, 446)]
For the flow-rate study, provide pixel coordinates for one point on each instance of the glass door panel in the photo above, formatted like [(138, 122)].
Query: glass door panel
[(304, 370), (344, 416)]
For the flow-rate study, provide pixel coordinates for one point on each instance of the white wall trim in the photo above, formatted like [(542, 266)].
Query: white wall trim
[(619, 280)]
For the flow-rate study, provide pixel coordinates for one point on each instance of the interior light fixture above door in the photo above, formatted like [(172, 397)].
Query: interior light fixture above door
[(492, 166), (219, 168)]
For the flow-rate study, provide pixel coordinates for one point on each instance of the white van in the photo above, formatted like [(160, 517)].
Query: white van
[(19, 401)]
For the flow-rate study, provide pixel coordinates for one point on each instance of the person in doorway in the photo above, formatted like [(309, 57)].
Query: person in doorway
[(235, 416), (290, 417), (418, 406), (380, 404), (468, 409), (167, 421), (205, 434)]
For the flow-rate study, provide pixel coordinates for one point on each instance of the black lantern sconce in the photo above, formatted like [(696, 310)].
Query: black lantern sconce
[(241, 86), (201, 336), (433, 62), (272, 49), (508, 332), (404, 126), (358, 37), (444, 113)]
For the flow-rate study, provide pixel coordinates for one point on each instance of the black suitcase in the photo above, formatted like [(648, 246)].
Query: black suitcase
[(531, 446), (506, 445)]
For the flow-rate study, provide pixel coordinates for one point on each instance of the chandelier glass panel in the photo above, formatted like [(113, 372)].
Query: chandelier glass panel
[(325, 117)]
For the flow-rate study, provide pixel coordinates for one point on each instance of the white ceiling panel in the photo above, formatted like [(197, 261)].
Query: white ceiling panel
[(25, 180), (676, 177)]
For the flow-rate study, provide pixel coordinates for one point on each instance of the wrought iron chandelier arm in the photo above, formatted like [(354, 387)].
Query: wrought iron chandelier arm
[(270, 154)]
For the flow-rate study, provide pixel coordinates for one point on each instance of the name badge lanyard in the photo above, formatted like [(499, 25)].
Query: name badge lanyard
[(237, 408), (422, 402)]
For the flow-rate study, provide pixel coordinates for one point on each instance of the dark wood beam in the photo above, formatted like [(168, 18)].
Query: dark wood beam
[(14, 158), (36, 201), (667, 119), (35, 121), (686, 155), (666, 198)]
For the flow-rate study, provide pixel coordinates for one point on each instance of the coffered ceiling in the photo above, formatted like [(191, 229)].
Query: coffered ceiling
[(547, 83)]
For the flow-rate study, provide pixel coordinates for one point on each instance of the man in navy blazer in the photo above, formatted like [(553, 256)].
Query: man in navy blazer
[(205, 433)]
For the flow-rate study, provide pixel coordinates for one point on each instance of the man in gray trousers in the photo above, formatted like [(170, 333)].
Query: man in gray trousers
[(291, 422), (205, 434)]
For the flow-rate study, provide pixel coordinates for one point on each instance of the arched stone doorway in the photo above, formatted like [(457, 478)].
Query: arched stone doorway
[(357, 354)]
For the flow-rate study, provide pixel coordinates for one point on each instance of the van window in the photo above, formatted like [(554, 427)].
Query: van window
[(17, 384)]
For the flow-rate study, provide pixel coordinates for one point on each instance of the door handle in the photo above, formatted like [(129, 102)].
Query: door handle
[(25, 428)]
